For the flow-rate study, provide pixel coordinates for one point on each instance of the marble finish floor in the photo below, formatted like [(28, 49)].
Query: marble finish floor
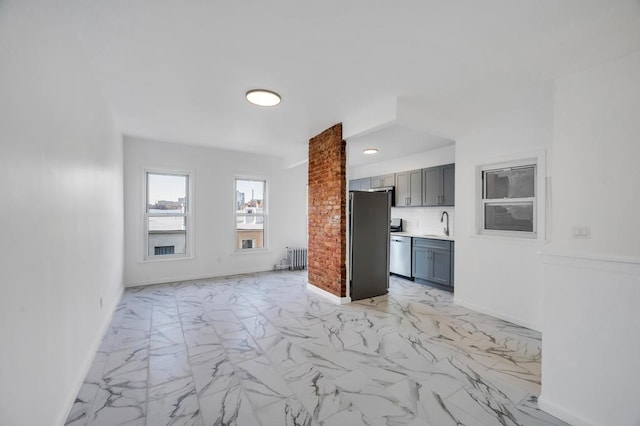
[(260, 349)]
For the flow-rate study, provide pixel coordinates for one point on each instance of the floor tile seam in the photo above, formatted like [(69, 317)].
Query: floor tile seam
[(280, 375), (494, 379), (445, 401), (242, 388), (232, 363), (443, 395), (496, 368), (102, 384), (188, 361), (148, 381), (491, 377), (340, 394), (295, 396), (92, 404), (481, 404)]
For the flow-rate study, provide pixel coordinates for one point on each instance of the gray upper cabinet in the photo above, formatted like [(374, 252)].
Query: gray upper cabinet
[(409, 188), (439, 186), (382, 181), (363, 184), (431, 186)]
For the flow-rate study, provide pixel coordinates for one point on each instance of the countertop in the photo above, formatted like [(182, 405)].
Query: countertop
[(431, 236)]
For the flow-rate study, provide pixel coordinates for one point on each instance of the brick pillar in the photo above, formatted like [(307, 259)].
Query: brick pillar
[(327, 211)]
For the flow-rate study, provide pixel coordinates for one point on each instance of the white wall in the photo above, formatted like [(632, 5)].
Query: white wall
[(500, 276), (61, 212), (591, 335), (213, 171)]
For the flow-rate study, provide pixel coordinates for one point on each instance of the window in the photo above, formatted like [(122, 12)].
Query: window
[(509, 200), (167, 215), (251, 217)]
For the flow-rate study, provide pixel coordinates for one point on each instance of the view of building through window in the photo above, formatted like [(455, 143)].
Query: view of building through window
[(166, 214), (250, 214)]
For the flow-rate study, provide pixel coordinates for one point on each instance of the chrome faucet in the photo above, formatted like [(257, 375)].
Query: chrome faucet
[(446, 226)]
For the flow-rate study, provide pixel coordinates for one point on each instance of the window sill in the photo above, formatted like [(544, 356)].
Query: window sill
[(166, 259), (515, 238), (251, 251)]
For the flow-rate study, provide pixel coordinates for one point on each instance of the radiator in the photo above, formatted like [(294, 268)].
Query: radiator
[(297, 258)]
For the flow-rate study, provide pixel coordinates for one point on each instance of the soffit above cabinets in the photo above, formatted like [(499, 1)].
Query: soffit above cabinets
[(392, 141)]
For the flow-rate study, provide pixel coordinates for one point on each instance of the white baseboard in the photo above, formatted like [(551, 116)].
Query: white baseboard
[(166, 280), (86, 365), (332, 297), (561, 413), (483, 310)]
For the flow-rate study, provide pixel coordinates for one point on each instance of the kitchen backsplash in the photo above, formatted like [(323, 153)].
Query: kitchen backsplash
[(425, 220)]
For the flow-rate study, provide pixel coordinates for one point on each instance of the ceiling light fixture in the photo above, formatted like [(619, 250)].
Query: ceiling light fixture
[(370, 151), (262, 97)]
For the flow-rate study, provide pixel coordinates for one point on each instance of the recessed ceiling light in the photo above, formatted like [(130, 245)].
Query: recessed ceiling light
[(262, 97), (370, 151)]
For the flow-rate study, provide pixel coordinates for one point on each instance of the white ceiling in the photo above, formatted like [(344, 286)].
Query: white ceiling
[(178, 70)]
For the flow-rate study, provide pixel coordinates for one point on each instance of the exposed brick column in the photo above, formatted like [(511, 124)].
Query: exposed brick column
[(327, 211)]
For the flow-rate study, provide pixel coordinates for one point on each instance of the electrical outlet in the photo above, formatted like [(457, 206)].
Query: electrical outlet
[(581, 232)]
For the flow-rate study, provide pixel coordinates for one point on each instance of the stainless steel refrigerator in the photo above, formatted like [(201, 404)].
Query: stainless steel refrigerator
[(369, 217)]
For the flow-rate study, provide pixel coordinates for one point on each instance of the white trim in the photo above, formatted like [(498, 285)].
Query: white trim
[(561, 413), (174, 279), (459, 302), (608, 263), (250, 251), (332, 297), (86, 365), (504, 238)]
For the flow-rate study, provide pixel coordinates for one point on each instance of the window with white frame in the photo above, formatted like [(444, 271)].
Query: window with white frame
[(509, 200), (167, 215), (250, 214)]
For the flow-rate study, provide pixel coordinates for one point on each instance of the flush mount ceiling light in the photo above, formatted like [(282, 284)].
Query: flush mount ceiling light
[(370, 151), (262, 97)]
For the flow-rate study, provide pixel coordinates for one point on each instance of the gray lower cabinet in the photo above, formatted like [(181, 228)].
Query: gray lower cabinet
[(432, 261), (409, 189), (438, 186)]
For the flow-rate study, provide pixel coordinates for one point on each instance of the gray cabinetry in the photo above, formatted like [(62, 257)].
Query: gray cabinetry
[(432, 261), (363, 184), (438, 185), (409, 188), (383, 181)]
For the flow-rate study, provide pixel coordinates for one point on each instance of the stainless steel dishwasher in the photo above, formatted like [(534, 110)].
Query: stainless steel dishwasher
[(400, 255)]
